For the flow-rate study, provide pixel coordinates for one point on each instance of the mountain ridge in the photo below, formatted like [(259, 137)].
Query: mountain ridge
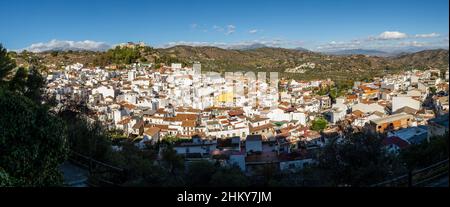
[(268, 59), (369, 52)]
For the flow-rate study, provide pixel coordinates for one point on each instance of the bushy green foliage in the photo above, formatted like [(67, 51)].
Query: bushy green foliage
[(123, 55), (426, 153), (18, 82), (319, 124), (229, 177), (89, 138), (358, 160), (200, 173), (171, 160), (5, 179), (6, 65), (32, 142), (207, 173), (54, 53), (171, 140), (433, 90)]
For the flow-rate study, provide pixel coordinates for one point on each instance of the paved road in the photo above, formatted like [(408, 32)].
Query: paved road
[(442, 182), (74, 176)]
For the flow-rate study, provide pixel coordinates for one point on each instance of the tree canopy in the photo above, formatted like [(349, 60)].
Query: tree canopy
[(319, 124), (6, 64), (32, 142), (358, 160), (426, 153)]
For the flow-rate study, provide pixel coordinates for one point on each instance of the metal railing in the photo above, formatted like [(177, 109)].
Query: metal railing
[(96, 167), (418, 177)]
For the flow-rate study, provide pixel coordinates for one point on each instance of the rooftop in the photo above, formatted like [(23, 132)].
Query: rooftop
[(440, 120), (395, 141), (392, 118), (408, 133)]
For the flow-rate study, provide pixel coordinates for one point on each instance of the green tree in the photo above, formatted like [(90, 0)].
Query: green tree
[(426, 153), (358, 160), (18, 82), (171, 140), (119, 55), (139, 167), (142, 59), (5, 179), (319, 124), (229, 177), (6, 64), (34, 85), (54, 53), (171, 160), (87, 138), (199, 173), (33, 143), (433, 90)]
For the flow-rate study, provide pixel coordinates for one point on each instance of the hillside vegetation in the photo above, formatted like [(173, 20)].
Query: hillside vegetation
[(349, 67)]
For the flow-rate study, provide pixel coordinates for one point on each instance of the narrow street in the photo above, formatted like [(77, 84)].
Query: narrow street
[(74, 176)]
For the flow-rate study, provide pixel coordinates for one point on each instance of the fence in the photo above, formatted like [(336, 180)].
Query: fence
[(419, 177), (97, 168)]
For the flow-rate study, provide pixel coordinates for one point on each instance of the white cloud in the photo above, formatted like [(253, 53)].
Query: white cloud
[(230, 29), (194, 26), (227, 30), (392, 35), (68, 45), (396, 35), (431, 35), (397, 41), (389, 35), (253, 31), (218, 28)]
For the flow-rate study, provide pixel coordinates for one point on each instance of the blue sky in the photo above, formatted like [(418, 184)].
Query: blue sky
[(316, 25)]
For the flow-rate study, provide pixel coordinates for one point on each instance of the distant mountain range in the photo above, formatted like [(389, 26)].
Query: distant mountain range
[(379, 53), (247, 47), (259, 45), (302, 49), (259, 57), (360, 52)]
